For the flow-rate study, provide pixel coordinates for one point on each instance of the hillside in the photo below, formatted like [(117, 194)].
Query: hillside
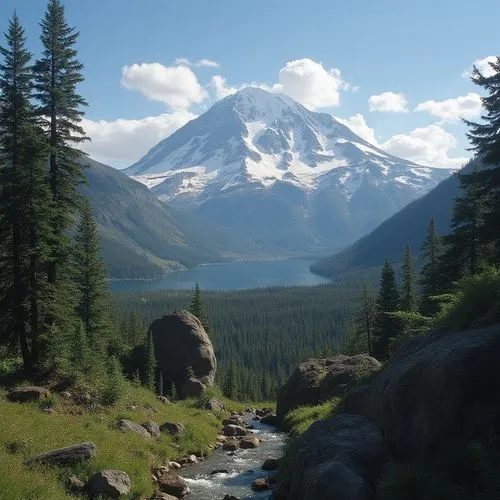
[(143, 237), (293, 180), (388, 240)]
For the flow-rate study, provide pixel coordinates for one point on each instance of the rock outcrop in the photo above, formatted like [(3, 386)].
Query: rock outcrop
[(66, 456), (29, 393), (128, 426), (181, 345), (339, 458), (317, 380), (436, 389)]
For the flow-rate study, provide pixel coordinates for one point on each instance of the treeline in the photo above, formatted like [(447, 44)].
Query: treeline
[(460, 264), (258, 335)]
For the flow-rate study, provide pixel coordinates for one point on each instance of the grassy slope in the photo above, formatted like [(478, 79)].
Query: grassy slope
[(26, 431)]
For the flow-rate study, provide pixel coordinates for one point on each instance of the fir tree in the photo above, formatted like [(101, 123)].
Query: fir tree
[(57, 74), (388, 301), (408, 283), (93, 303), (485, 141), (430, 275), (231, 388), (198, 308), (150, 364)]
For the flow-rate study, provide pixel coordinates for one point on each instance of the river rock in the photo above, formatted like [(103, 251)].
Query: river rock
[(317, 380), (249, 443), (174, 465), (269, 419), (29, 393), (338, 458), (152, 427), (162, 496), (230, 497), (128, 426), (173, 428), (181, 344), (437, 389), (230, 446), (261, 484), (190, 459), (213, 404), (66, 456), (234, 430), (109, 483), (173, 485), (271, 464)]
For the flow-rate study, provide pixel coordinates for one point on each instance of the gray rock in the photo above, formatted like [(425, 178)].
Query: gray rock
[(271, 464), (181, 343), (29, 393), (436, 389), (69, 455), (261, 484), (338, 458), (109, 483), (162, 496), (192, 388), (152, 427), (173, 428), (213, 404), (128, 426), (75, 485), (317, 380), (234, 430), (230, 446), (269, 419), (173, 485)]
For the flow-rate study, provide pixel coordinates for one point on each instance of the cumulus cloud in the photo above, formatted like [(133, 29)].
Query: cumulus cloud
[(483, 65), (358, 125), (389, 102), (305, 80), (451, 110), (201, 63), (126, 141), (429, 145), (176, 86)]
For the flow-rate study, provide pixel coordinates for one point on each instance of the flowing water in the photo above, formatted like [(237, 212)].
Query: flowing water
[(242, 468)]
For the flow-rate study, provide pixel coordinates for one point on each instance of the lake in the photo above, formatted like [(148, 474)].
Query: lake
[(236, 275)]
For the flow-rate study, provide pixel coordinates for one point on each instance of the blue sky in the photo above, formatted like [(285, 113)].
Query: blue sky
[(393, 70)]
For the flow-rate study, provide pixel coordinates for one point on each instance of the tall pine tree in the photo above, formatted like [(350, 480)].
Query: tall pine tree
[(409, 300), (388, 301), (198, 308), (430, 275)]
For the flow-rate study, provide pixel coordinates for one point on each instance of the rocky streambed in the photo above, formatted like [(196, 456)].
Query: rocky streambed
[(236, 474)]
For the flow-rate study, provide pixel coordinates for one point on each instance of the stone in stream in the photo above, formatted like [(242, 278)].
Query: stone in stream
[(66, 456), (128, 426), (109, 483), (261, 484), (234, 430), (175, 429), (162, 496), (152, 427), (269, 419), (230, 446), (174, 465), (271, 464), (190, 459), (219, 471), (173, 485), (249, 443), (230, 497), (26, 394)]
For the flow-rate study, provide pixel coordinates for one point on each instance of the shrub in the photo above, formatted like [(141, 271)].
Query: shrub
[(301, 418)]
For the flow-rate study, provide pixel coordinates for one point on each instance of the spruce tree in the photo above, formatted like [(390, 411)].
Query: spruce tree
[(198, 308), (409, 300), (93, 302), (386, 327), (485, 141), (150, 363), (57, 74), (430, 275)]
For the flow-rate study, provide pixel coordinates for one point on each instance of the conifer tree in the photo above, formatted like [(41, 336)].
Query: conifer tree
[(408, 283), (485, 141), (57, 74), (93, 303), (388, 300), (150, 365), (430, 275), (231, 387), (198, 308)]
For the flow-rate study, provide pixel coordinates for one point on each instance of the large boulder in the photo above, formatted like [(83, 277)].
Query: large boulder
[(128, 426), (336, 459), (317, 380), (29, 393), (436, 389), (181, 344), (109, 484), (192, 388), (66, 456), (173, 485)]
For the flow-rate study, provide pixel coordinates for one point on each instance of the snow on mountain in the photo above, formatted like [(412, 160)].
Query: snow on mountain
[(258, 153)]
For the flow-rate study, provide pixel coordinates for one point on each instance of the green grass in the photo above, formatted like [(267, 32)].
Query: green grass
[(301, 418), (27, 430)]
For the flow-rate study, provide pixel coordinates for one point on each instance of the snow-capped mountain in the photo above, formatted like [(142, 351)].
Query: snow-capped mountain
[(261, 164)]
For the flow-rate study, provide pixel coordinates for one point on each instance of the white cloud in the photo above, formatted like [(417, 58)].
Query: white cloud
[(201, 63), (305, 80), (389, 102), (451, 110), (428, 146), (358, 125), (126, 141), (482, 65), (176, 86)]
